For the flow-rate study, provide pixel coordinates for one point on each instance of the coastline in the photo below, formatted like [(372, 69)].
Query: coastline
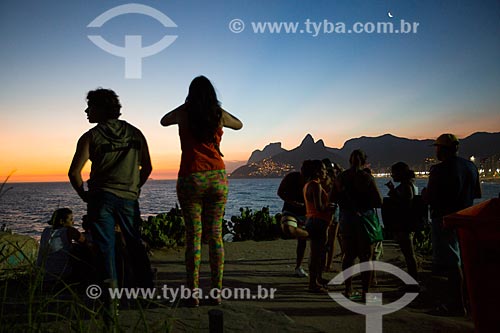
[(490, 180)]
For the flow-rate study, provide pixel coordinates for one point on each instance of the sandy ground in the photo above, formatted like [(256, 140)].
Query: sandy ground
[(269, 265)]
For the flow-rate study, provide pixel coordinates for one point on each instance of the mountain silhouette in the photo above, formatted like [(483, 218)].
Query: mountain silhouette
[(385, 150), (269, 151), (382, 152), (310, 150)]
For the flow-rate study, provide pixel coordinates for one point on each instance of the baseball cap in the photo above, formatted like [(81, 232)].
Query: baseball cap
[(447, 140)]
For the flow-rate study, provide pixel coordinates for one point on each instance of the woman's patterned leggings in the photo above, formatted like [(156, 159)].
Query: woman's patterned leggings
[(203, 196)]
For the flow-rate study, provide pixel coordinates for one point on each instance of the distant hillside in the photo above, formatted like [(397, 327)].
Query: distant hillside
[(480, 144), (308, 149), (382, 151), (269, 151), (385, 150)]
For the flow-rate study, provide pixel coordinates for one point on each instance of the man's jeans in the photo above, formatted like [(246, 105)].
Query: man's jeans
[(445, 247), (105, 210)]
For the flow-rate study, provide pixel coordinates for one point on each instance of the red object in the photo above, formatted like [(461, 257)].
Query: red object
[(479, 236)]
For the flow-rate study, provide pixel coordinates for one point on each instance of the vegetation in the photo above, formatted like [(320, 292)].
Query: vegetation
[(3, 189), (164, 230), (28, 304), (423, 241), (168, 229), (258, 226)]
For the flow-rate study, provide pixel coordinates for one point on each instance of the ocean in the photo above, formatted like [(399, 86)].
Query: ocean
[(27, 207)]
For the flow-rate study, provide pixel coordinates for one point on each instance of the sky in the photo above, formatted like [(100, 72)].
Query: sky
[(442, 77)]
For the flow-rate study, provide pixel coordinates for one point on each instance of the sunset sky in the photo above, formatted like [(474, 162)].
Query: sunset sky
[(444, 77)]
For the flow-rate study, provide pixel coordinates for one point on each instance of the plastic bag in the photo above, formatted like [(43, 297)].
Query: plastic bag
[(371, 226)]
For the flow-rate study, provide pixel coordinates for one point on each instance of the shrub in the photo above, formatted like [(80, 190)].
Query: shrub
[(258, 226), (164, 230), (423, 240), (168, 229)]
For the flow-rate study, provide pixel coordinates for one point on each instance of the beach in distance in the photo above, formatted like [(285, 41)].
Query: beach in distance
[(27, 206)]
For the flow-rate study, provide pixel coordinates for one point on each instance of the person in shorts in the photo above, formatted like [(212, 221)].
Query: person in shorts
[(293, 215)]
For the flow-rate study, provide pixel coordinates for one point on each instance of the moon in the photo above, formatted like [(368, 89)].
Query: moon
[(390, 15)]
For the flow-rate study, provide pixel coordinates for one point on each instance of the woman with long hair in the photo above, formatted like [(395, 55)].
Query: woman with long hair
[(202, 184)]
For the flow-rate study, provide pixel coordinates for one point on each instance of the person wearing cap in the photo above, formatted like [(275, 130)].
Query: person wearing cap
[(452, 186)]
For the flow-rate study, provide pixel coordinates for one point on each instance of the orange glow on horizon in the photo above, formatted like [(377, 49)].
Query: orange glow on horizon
[(17, 177), (32, 161)]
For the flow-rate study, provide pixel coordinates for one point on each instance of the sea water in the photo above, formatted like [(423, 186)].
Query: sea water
[(26, 207)]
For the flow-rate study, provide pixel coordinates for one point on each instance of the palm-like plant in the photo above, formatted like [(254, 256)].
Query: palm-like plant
[(4, 189)]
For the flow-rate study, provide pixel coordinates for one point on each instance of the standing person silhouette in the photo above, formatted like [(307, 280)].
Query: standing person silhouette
[(202, 184), (319, 214), (453, 185), (120, 166), (293, 219), (403, 195), (357, 194), (333, 226)]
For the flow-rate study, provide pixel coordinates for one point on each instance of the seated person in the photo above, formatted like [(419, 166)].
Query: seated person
[(57, 246)]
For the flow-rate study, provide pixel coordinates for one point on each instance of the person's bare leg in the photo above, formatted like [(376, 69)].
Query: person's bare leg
[(332, 234), (347, 261), (366, 276), (301, 233), (301, 250)]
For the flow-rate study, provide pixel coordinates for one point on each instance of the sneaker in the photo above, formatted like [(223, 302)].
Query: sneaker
[(300, 272)]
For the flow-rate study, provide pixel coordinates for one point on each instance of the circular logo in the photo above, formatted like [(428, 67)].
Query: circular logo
[(373, 308), (93, 291), (236, 26)]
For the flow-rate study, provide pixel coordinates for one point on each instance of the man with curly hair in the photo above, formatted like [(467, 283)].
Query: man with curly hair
[(120, 166)]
